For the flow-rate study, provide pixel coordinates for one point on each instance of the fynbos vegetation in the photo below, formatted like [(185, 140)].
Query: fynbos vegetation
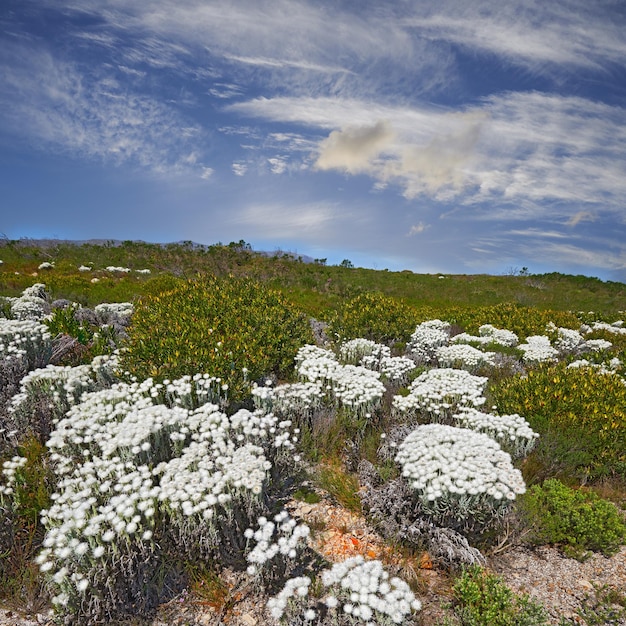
[(150, 437)]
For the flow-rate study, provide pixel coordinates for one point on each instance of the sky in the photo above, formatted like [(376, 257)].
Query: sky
[(440, 137)]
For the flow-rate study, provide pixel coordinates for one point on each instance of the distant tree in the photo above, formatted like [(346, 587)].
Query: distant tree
[(320, 261), (346, 263)]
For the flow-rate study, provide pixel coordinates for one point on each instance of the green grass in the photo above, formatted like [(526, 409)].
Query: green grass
[(317, 289)]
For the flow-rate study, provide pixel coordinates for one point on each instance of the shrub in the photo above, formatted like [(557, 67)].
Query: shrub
[(376, 317), (482, 599), (575, 520), (232, 328), (462, 478), (522, 320), (580, 414)]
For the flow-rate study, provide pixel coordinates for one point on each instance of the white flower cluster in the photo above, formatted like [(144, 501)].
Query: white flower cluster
[(144, 271), (500, 336), (568, 340), (294, 588), (23, 339), (46, 265), (464, 357), (360, 591), (298, 398), (9, 469), (366, 592), (376, 357), (439, 392), (538, 349), (488, 334), (616, 327), (354, 387), (456, 470), (114, 268), (427, 337), (512, 432), (612, 367), (120, 457), (597, 345), (105, 310), (31, 305), (84, 268), (282, 536), (354, 350), (62, 386)]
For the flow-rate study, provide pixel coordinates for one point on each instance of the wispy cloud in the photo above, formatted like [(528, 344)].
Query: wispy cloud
[(544, 37), (303, 222), (417, 229), (581, 216), (54, 106), (515, 150)]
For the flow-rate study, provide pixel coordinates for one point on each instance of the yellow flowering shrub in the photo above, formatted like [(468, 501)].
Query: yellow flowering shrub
[(580, 414), (233, 328)]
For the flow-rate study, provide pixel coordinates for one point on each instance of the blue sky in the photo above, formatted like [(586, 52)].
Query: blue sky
[(440, 137)]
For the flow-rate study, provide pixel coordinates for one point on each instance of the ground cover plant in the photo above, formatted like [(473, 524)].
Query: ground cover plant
[(164, 444)]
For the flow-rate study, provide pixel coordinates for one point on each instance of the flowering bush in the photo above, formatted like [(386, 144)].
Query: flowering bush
[(358, 592), (427, 338), (25, 340), (356, 388), (464, 357), (278, 548), (145, 465), (580, 414), (459, 476), (437, 393), (32, 304), (538, 349), (115, 269), (239, 330), (499, 336), (375, 317), (377, 357), (512, 432)]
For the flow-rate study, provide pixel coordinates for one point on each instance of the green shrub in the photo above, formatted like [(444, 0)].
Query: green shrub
[(480, 598), (63, 321), (580, 415), (524, 321), (376, 317), (575, 520), (232, 328)]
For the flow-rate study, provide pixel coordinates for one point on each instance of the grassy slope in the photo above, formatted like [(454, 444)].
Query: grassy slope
[(314, 287)]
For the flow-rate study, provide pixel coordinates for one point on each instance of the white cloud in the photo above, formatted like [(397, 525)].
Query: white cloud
[(275, 221), (544, 37), (515, 151), (580, 216), (278, 165), (417, 229), (352, 149), (239, 169), (54, 106)]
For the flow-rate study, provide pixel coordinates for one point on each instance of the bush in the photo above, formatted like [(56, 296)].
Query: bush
[(580, 414), (376, 317), (232, 328), (522, 320), (482, 599), (575, 520)]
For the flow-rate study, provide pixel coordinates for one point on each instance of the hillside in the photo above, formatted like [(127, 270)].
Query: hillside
[(210, 435)]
